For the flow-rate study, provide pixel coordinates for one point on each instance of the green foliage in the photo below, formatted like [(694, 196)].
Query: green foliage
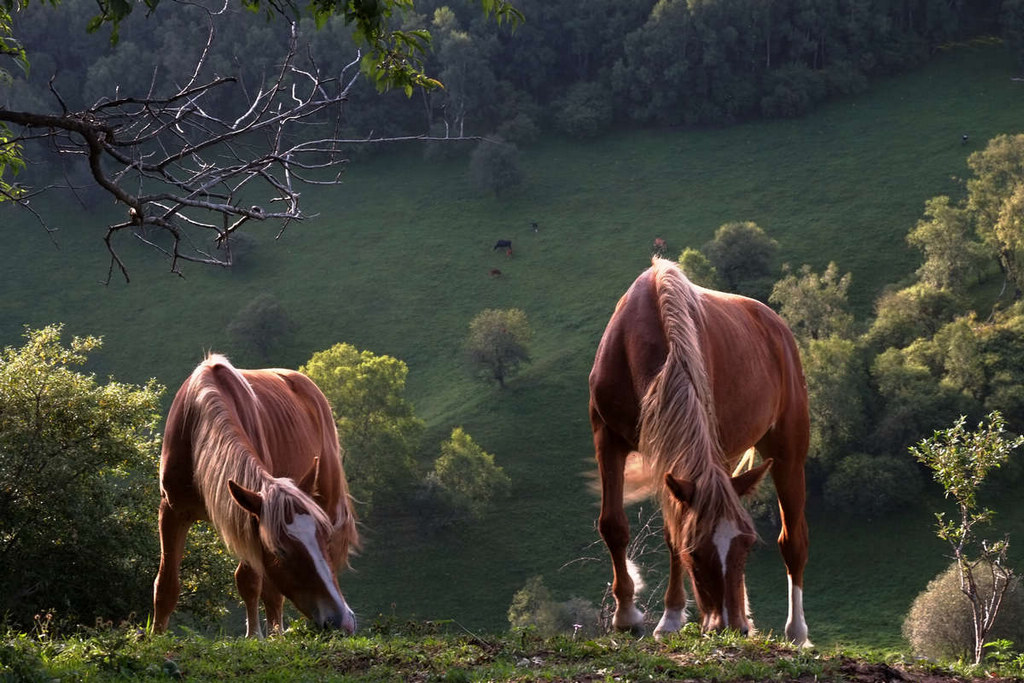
[(498, 342), (903, 315), (534, 608), (494, 166), (466, 476), (952, 257), (742, 255), (960, 460), (699, 269), (377, 428), (585, 111), (78, 473), (867, 486), (939, 624), (996, 200), (261, 326), (837, 392), (814, 306)]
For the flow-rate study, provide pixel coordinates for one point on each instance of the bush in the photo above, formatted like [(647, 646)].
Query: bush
[(78, 476), (494, 166), (261, 326), (939, 624), (534, 607), (465, 476), (866, 485)]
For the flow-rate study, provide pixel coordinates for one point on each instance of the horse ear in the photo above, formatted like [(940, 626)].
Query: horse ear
[(682, 490), (309, 479), (746, 482), (250, 501)]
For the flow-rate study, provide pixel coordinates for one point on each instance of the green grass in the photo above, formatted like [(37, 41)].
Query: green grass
[(432, 652), (397, 262)]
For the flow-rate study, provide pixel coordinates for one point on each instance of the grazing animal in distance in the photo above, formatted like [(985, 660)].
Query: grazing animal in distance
[(503, 244), (255, 452), (495, 272), (690, 379)]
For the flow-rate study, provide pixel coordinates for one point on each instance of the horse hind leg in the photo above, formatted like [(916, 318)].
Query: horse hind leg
[(614, 527), (173, 529), (250, 587)]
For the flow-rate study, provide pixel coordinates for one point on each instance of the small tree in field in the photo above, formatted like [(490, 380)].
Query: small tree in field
[(466, 474), (498, 342), (960, 461)]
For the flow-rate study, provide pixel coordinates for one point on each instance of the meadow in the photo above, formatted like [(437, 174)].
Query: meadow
[(398, 261)]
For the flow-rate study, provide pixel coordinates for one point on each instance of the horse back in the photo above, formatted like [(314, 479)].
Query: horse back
[(755, 370)]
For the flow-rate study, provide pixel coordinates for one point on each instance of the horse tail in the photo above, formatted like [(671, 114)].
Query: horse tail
[(678, 426)]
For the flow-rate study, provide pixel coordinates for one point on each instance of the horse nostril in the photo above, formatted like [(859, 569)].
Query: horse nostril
[(744, 631)]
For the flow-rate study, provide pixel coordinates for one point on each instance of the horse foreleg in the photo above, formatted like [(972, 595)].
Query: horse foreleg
[(614, 527), (788, 477), (273, 605), (167, 585), (675, 595), (250, 586)]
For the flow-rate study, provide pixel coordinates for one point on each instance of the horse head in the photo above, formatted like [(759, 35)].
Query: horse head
[(716, 560), (295, 537)]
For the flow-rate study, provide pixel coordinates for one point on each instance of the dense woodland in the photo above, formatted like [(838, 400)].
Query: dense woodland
[(940, 342), (576, 67)]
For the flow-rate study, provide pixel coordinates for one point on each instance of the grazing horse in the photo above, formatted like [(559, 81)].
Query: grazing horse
[(691, 379), (503, 244), (255, 452)]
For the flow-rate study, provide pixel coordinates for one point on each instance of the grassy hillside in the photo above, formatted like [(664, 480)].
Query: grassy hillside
[(398, 262)]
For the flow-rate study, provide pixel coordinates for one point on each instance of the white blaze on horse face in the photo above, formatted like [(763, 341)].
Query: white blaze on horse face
[(303, 529), (725, 533)]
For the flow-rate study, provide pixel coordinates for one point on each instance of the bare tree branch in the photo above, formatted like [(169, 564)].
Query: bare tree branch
[(188, 174)]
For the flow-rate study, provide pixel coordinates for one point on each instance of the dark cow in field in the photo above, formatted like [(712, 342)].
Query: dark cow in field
[(504, 244)]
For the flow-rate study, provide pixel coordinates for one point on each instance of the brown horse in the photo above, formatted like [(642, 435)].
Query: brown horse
[(691, 379), (235, 444)]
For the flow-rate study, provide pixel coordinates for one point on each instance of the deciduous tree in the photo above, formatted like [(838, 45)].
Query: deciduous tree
[(961, 460), (377, 428), (498, 342)]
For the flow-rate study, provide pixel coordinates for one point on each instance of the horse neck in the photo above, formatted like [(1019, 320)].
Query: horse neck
[(678, 426)]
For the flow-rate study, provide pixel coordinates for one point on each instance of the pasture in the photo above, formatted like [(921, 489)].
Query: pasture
[(399, 260)]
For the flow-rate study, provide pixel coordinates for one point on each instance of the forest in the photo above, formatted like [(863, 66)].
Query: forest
[(898, 341)]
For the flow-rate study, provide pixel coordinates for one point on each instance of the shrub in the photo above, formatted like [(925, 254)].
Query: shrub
[(534, 607), (261, 325), (465, 475), (939, 624), (870, 485), (494, 166)]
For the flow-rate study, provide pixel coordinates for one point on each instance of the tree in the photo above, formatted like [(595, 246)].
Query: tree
[(78, 474), (837, 391), (186, 171), (261, 325), (377, 428), (814, 306), (466, 475), (960, 461), (498, 342), (951, 255), (742, 253), (699, 269), (494, 166), (995, 197)]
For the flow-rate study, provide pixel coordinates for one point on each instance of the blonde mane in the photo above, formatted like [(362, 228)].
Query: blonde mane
[(678, 427), (229, 443)]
